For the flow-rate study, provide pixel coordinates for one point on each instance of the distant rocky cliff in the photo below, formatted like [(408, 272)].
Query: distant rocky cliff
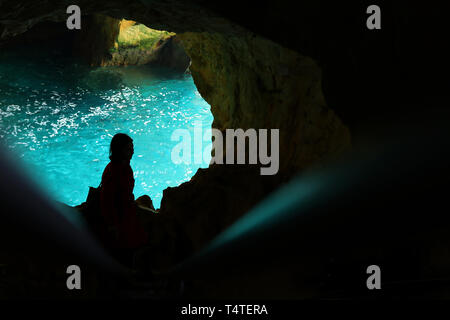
[(106, 41)]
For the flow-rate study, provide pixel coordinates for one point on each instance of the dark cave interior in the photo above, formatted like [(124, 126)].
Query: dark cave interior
[(363, 154)]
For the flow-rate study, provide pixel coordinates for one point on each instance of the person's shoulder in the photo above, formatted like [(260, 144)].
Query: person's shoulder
[(120, 167), (108, 168)]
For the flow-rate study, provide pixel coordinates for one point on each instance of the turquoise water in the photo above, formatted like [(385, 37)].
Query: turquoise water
[(58, 116)]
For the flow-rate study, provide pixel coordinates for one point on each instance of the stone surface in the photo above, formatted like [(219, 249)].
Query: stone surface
[(172, 55), (273, 87), (107, 41), (96, 37), (166, 52)]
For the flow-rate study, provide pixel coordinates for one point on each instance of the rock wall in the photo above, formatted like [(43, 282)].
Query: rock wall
[(105, 42), (132, 56), (96, 37), (166, 52), (251, 82)]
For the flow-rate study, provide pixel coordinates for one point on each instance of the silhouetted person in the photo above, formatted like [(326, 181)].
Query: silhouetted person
[(122, 232)]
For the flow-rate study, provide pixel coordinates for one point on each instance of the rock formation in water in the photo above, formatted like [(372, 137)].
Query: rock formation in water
[(105, 41), (92, 45)]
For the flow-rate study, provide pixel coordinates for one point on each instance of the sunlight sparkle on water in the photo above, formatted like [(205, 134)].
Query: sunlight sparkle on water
[(59, 117)]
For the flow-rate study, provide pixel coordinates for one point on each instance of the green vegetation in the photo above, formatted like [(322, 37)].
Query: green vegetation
[(139, 35)]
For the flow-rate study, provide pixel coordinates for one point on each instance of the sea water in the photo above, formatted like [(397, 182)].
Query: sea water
[(58, 116)]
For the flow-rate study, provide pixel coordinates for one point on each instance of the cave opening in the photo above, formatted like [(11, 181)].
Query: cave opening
[(65, 94)]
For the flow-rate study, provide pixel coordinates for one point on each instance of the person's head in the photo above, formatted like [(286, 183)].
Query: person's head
[(121, 147)]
